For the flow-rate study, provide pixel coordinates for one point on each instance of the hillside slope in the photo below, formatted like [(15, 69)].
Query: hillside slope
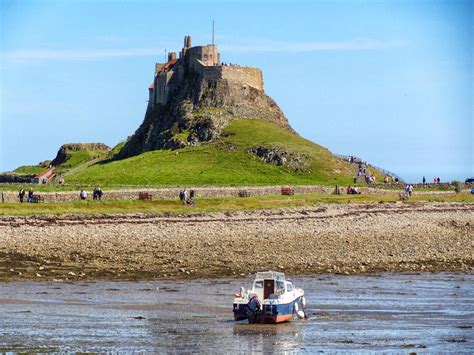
[(233, 159), (73, 155)]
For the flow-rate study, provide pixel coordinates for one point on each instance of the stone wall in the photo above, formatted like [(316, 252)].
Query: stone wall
[(161, 87), (170, 193), (244, 75)]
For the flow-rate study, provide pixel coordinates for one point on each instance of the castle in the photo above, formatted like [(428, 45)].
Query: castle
[(203, 61)]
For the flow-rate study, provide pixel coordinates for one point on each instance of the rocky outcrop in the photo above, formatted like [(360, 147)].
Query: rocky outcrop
[(62, 155), (12, 178), (201, 108), (283, 157)]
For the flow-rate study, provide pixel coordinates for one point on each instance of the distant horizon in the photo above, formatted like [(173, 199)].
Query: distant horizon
[(389, 82)]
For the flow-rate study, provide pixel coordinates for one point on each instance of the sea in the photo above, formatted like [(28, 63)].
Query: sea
[(388, 312)]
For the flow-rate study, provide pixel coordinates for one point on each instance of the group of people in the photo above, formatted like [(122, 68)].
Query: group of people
[(363, 170), (22, 194), (96, 194), (436, 180), (370, 179), (352, 190), (187, 197), (352, 159)]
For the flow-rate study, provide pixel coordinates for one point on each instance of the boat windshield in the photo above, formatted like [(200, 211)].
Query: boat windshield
[(258, 284), (289, 287), (280, 287)]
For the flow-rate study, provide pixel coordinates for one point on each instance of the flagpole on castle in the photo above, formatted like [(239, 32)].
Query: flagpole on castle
[(212, 32)]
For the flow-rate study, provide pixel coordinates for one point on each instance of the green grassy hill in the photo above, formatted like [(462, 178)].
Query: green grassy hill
[(29, 169), (77, 158), (224, 162)]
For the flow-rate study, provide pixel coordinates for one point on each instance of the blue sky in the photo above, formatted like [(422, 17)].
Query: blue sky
[(389, 81)]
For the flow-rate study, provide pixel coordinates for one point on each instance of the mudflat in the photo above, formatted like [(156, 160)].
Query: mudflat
[(326, 238)]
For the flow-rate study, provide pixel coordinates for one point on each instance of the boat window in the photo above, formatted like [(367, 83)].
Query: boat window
[(289, 287), (280, 287), (258, 284)]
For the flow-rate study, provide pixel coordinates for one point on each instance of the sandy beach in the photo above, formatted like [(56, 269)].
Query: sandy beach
[(330, 238)]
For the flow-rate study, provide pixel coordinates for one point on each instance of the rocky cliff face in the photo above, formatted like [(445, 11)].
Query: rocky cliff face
[(63, 153), (198, 112)]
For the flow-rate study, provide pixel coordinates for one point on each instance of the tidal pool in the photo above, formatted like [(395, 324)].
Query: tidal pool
[(389, 312)]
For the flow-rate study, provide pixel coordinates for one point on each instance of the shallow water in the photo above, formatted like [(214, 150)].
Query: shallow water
[(390, 312)]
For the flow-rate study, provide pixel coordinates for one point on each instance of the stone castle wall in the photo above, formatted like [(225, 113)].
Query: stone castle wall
[(243, 75), (207, 55)]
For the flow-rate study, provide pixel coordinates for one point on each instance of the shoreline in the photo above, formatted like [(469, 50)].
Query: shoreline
[(359, 238)]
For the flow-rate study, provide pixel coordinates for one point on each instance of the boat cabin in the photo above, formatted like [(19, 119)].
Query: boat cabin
[(271, 285)]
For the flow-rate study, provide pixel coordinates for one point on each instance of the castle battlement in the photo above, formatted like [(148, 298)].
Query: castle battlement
[(244, 75), (203, 61)]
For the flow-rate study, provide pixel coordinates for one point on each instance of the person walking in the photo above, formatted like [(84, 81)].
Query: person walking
[(83, 194), (30, 195), (21, 195)]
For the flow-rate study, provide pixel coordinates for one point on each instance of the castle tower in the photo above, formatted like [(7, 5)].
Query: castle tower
[(187, 45), (187, 42), (171, 56)]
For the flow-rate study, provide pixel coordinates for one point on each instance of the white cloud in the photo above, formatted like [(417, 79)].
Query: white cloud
[(249, 47), (300, 47), (73, 54)]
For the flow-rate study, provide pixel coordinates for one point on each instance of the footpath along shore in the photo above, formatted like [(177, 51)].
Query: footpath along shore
[(348, 238)]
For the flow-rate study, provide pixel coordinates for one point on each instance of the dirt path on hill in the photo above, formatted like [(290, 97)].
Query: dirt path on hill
[(349, 238)]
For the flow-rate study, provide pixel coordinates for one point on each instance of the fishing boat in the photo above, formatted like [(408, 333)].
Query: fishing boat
[(272, 299)]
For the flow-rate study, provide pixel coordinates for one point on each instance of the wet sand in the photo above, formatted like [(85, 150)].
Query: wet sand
[(399, 313), (344, 239)]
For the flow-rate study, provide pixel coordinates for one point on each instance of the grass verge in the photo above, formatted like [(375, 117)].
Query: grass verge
[(221, 204)]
